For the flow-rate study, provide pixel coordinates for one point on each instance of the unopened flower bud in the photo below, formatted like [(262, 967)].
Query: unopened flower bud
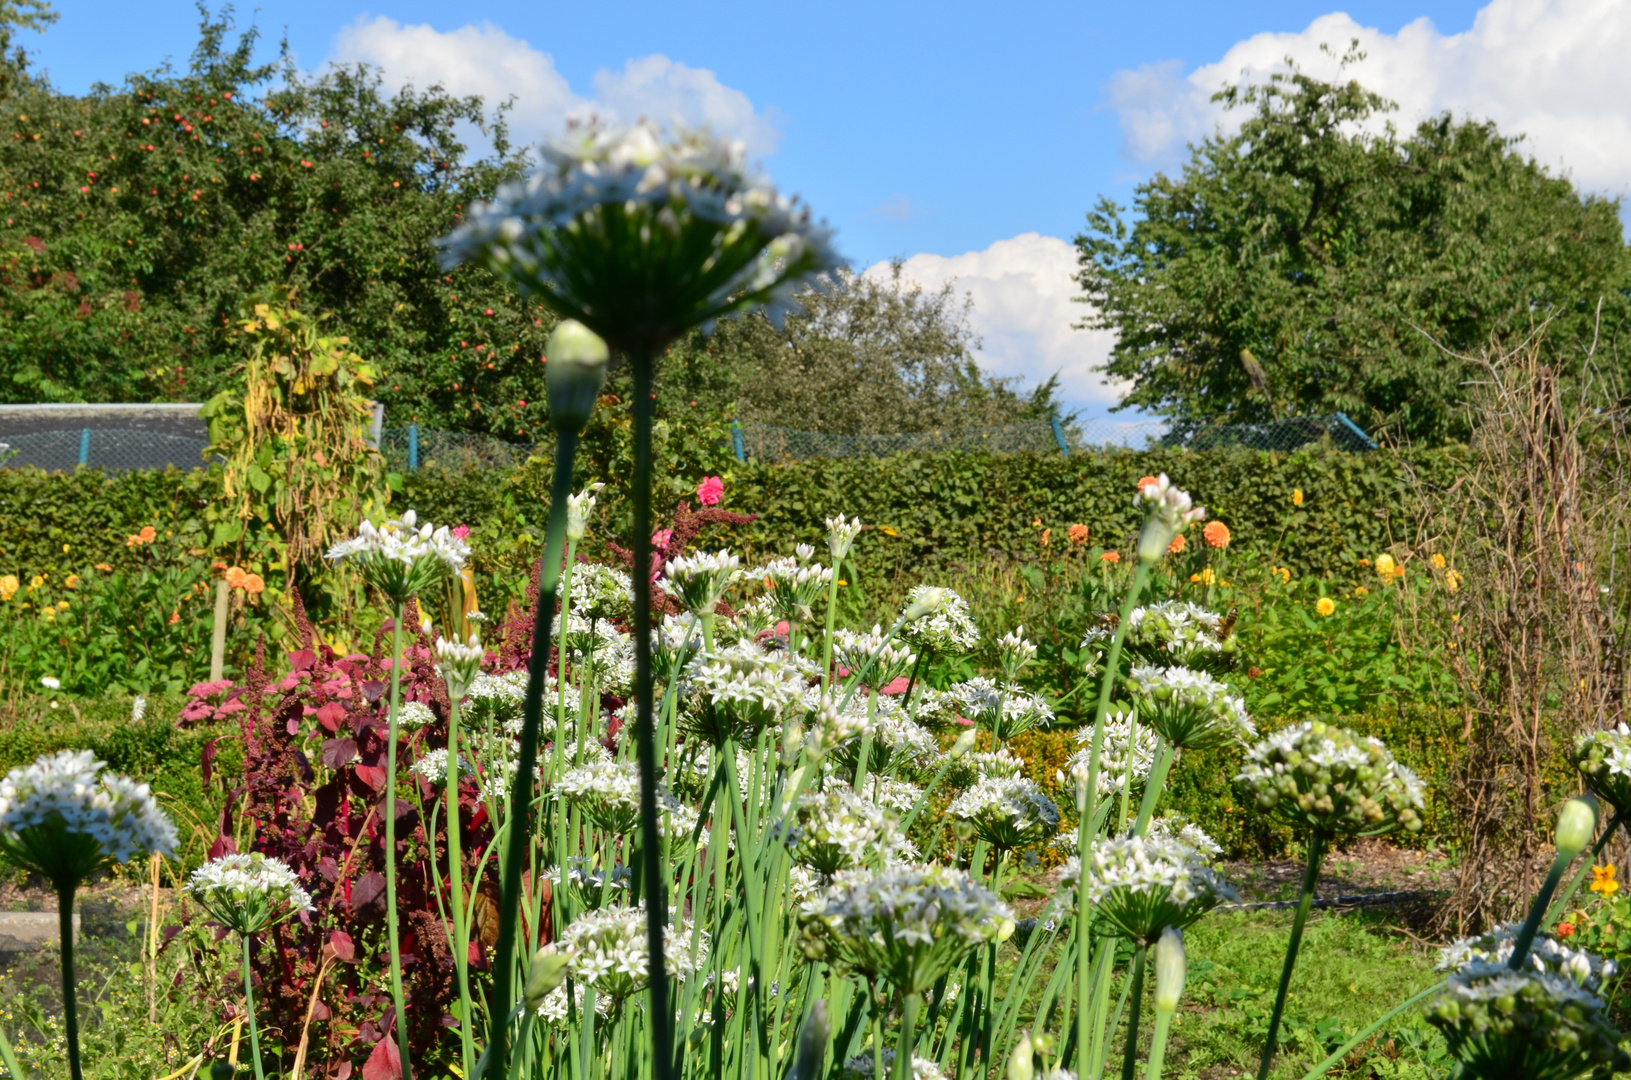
[(1021, 1063), (546, 972), (1576, 825), (792, 743), (1042, 1043), (1170, 968), (577, 366), (927, 603), (964, 743)]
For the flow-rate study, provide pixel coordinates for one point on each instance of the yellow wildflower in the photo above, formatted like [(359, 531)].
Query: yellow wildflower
[(1361, 591), (72, 582), (1385, 565), (1296, 496), (1453, 580), (1602, 881), (9, 586), (1438, 561), (1282, 573), (887, 531), (62, 605), (35, 582), (1326, 606)]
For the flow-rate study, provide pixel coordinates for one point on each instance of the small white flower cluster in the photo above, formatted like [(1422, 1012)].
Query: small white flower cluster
[(248, 892), (432, 765), (793, 586), (459, 664), (494, 700), (945, 626), (589, 880), (1006, 812), (892, 794), (601, 592), (412, 715), (867, 653), (700, 581), (608, 949), (1191, 836), (1191, 709), (402, 558), (836, 829), (1014, 652), (905, 925), (898, 746), (607, 792), (1170, 511), (1007, 710), (754, 618), (579, 506), (1546, 954), (1142, 885), (830, 722), (744, 688), (862, 1067), (64, 815), (1001, 763), (1502, 1023), (1329, 779), (553, 1009), (1604, 759), (1171, 632), (1118, 735), (841, 534)]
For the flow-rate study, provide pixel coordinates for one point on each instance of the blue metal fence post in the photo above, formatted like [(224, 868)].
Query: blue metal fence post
[(413, 447), (1059, 436), (1359, 432), (736, 441), (84, 446)]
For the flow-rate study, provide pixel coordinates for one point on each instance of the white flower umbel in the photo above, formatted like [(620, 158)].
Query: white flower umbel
[(459, 664), (1191, 836), (700, 581), (1118, 734), (432, 765), (1190, 709), (906, 925), (754, 618), (836, 829), (793, 586), (1169, 511), (494, 700), (578, 509), (1005, 710), (601, 592), (64, 816), (890, 793), (592, 885), (1547, 954), (898, 746), (414, 715), (248, 892), (1604, 759), (608, 950), (1014, 652), (1502, 1024), (1141, 885), (939, 621), (402, 558), (1000, 763), (607, 792), (1172, 632), (553, 1009), (744, 690), (867, 658), (1006, 812), (841, 534), (1333, 781), (862, 1067)]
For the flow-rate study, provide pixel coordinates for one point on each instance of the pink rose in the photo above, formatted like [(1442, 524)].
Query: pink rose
[(461, 532), (710, 491)]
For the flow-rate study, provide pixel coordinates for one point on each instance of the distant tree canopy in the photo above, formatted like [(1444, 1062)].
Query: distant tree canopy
[(138, 223), (1309, 265)]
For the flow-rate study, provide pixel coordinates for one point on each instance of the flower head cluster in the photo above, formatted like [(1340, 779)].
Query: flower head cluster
[(754, 618), (1546, 954), (841, 534), (413, 715), (1604, 759), (906, 925), (248, 892), (607, 948), (744, 689), (793, 586), (591, 884), (432, 765), (1141, 885), (1014, 652), (601, 592), (1119, 737), (1170, 511), (607, 792), (459, 664), (862, 1067), (869, 658), (63, 816), (892, 794), (578, 508), (1172, 632), (1005, 709), (1333, 781), (1502, 1023), (607, 199), (402, 558), (836, 829), (554, 1012), (700, 581), (939, 622), (1190, 709), (1000, 763), (1006, 812), (898, 746)]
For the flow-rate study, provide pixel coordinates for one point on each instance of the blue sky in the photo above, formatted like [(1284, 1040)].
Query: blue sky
[(967, 138)]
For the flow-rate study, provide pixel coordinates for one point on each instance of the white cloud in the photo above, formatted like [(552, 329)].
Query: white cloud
[(1552, 70), (1023, 291), (487, 61)]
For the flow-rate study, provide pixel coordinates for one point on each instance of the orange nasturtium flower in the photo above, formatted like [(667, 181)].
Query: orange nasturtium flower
[(1326, 606), (1602, 881)]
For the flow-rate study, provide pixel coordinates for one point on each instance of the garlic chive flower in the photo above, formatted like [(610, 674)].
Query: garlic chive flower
[(553, 1010), (413, 715), (1006, 710), (1172, 632), (1333, 781), (1170, 510), (1546, 955), (753, 619), (1014, 652), (744, 689), (248, 892), (1604, 759), (1190, 709), (861, 1067), (907, 926), (888, 662), (402, 558), (841, 534), (601, 592), (836, 829), (793, 586), (605, 199), (63, 817), (1006, 812), (899, 747), (700, 581), (901, 796), (1118, 736), (459, 665), (1501, 1023), (1141, 885), (939, 621), (578, 509), (607, 949), (1001, 764), (432, 765), (607, 792)]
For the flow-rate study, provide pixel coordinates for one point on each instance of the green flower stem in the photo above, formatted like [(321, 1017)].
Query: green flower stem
[(1311, 873), (1129, 1059), (249, 1011), (455, 867), (1158, 1043), (1152, 787), (662, 1014), (1562, 905), (832, 615), (1537, 910), (392, 935), (521, 802), (908, 1037), (1095, 1006), (70, 1005), (1348, 1047)]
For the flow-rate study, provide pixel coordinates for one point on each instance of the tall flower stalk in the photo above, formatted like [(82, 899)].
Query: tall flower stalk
[(459, 664)]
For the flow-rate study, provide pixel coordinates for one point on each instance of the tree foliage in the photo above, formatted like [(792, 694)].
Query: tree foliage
[(1317, 262)]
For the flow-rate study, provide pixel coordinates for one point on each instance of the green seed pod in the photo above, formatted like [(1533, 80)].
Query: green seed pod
[(1576, 825)]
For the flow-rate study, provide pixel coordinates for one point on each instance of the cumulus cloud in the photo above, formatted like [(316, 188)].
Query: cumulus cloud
[(1552, 70), (1023, 291), (486, 60)]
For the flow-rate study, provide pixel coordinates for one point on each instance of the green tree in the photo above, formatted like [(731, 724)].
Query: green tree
[(1312, 263)]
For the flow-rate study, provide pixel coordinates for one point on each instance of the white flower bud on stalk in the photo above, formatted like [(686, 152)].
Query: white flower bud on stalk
[(1576, 825), (1021, 1063), (576, 368), (1170, 968)]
